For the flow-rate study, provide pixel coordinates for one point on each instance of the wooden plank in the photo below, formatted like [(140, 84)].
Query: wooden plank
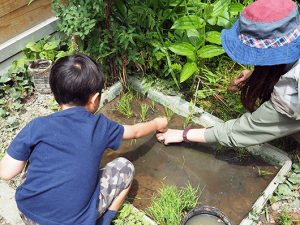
[(18, 43), (24, 18), (7, 6)]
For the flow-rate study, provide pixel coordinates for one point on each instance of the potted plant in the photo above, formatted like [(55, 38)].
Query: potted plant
[(42, 54), (39, 70)]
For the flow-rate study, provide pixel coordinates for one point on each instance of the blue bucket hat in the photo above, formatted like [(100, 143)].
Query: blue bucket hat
[(266, 33)]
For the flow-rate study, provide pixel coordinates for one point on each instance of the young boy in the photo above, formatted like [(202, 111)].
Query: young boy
[(63, 184)]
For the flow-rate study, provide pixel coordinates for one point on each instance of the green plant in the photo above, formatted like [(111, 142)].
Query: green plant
[(53, 105), (15, 86), (285, 218), (168, 113), (16, 83), (124, 105), (152, 105), (171, 204), (78, 17), (128, 215), (47, 48), (144, 111), (242, 152)]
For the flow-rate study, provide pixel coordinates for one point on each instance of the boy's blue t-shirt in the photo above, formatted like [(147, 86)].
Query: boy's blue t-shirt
[(64, 151)]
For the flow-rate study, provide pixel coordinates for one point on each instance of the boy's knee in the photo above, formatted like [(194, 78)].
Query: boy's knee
[(127, 166), (124, 167)]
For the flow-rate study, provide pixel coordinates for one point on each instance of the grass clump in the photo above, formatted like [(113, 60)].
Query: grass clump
[(285, 218), (172, 203), (124, 105)]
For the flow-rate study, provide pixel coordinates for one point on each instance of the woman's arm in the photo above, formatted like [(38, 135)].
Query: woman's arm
[(176, 136), (141, 129), (263, 125), (10, 167)]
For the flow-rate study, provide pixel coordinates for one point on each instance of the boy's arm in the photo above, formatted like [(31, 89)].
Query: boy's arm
[(141, 129), (10, 167)]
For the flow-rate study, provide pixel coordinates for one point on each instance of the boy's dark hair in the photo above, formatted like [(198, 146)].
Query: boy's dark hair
[(74, 78)]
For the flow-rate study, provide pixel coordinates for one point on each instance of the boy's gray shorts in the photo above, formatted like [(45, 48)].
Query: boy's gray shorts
[(114, 178)]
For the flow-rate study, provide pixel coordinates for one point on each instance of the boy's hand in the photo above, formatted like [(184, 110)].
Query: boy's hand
[(162, 124), (238, 82)]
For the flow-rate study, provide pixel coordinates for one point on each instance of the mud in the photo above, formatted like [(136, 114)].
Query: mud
[(227, 179)]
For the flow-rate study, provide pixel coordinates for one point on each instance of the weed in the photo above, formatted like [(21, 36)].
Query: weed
[(242, 153), (171, 204), (285, 218), (53, 105), (144, 111), (168, 112), (124, 105)]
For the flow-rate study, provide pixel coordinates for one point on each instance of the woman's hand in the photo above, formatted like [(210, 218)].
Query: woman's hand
[(238, 82), (170, 136)]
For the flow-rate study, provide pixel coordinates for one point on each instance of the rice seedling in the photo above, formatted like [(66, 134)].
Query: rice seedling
[(168, 112), (171, 204), (262, 173), (124, 105), (144, 111)]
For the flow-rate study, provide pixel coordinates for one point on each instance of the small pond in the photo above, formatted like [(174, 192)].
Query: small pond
[(229, 180)]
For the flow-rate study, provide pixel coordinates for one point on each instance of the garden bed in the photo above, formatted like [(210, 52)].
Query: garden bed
[(229, 179), (266, 152)]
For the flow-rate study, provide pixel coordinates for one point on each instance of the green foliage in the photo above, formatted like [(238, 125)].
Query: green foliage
[(53, 105), (287, 189), (127, 215), (151, 36), (16, 84), (47, 48), (285, 218), (171, 204), (78, 17), (144, 111), (124, 105), (213, 95)]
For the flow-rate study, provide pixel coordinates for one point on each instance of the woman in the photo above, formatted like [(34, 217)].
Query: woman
[(266, 35)]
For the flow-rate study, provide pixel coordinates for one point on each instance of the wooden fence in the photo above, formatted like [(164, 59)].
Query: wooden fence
[(16, 16)]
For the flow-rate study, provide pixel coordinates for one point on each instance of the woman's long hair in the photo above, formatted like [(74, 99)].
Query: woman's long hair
[(260, 84)]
